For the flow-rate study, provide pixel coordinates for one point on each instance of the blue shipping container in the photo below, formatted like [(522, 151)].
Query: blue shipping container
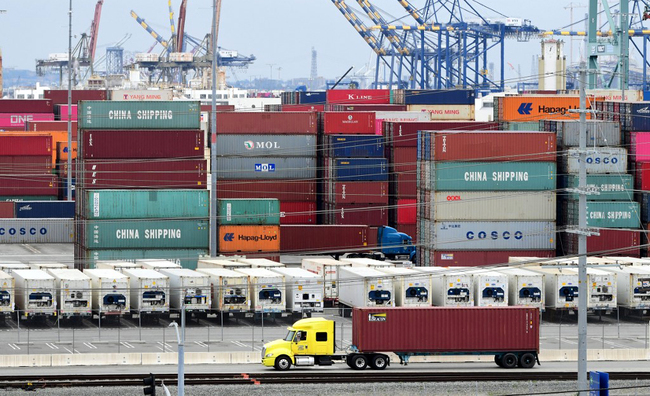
[(356, 146), (359, 169), (645, 206), (640, 116), (439, 97), (63, 188), (318, 97), (44, 209)]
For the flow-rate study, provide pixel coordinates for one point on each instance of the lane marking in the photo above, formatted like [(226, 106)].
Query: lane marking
[(31, 248), (126, 344), (14, 347), (51, 345), (89, 345), (201, 344), (69, 351)]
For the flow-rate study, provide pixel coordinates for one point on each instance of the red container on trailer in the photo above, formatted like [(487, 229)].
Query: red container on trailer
[(21, 143), (610, 242), (361, 123), (480, 258), (18, 120), (323, 238), (26, 164), (6, 210), (303, 107), (284, 190), (406, 185), (148, 174), (404, 159), (111, 144), (60, 96), (405, 133), (28, 185), (297, 212), (26, 106), (370, 214), (296, 123), (357, 192), (358, 96), (406, 211)]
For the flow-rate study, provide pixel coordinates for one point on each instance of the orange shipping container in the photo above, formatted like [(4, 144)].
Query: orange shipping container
[(62, 151), (249, 238), (538, 107), (57, 136)]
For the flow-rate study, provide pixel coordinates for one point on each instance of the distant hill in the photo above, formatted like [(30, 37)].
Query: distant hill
[(25, 78)]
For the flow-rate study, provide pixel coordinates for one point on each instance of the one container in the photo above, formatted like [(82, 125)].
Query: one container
[(136, 174), (284, 190), (44, 209), (260, 263), (36, 144), (642, 176), (612, 242), (633, 287), (405, 134), (141, 144), (18, 120), (145, 204), (189, 290), (73, 292), (607, 214), (492, 176), (355, 146), (450, 288), (61, 112), (490, 288), (157, 264), (412, 288), (599, 133), (150, 291), (323, 238), (35, 291), (358, 96), (358, 169), (304, 290), (483, 235), (353, 123), (117, 265), (141, 234), (561, 287), (253, 168), (525, 288), (297, 123), (615, 187), (370, 214), (267, 290), (248, 211), (640, 146), (357, 192), (446, 112), (327, 270), (600, 160), (34, 185), (230, 290), (249, 238), (7, 294), (365, 287), (36, 231), (111, 292), (240, 145), (298, 212), (139, 115), (493, 205), (601, 289)]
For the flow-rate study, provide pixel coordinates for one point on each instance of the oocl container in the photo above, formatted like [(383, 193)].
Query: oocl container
[(364, 287), (491, 176), (607, 214), (253, 168), (249, 238), (150, 291), (327, 270), (525, 288), (485, 235), (141, 144), (141, 234), (298, 123), (144, 204), (111, 292), (492, 205), (599, 160), (412, 288), (266, 145), (35, 292), (450, 288), (73, 292), (188, 289), (304, 290), (7, 294), (36, 230), (248, 211), (490, 288), (139, 115), (267, 290), (230, 290)]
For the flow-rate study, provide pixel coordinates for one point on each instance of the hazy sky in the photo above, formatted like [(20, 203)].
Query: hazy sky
[(278, 32)]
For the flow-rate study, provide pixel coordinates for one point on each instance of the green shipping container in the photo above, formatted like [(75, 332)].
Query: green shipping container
[(520, 126), (145, 234), (607, 214), (188, 258), (139, 115), (147, 204), (249, 211), (20, 198), (611, 187), (492, 176)]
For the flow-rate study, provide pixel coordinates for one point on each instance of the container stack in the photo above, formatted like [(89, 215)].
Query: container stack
[(142, 183), (249, 226), (300, 101), (518, 109), (441, 105), (485, 196), (14, 113)]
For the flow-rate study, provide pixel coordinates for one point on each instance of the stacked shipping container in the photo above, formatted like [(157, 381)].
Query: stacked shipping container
[(247, 224)]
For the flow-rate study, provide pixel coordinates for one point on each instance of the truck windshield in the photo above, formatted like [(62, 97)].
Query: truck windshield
[(290, 335)]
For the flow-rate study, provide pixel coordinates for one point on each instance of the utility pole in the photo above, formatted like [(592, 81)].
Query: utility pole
[(214, 222), (271, 66), (570, 7), (69, 181)]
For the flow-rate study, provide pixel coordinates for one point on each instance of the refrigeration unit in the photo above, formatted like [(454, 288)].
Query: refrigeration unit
[(111, 295), (633, 288), (490, 288), (366, 262), (150, 292), (230, 290), (601, 289), (364, 287), (560, 286), (412, 288), (525, 288), (304, 291), (35, 292), (189, 289), (47, 265), (158, 264), (73, 292), (260, 263), (7, 294), (450, 288), (117, 265), (267, 290), (220, 263)]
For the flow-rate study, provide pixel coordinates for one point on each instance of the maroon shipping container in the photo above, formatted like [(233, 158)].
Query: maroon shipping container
[(6, 210), (60, 96), (446, 330), (406, 211), (370, 214), (323, 238), (26, 164), (297, 123), (358, 96), (28, 185), (298, 212), (62, 168), (494, 146), (219, 107), (111, 144), (284, 190), (404, 159), (480, 258), (147, 174), (362, 123), (26, 106), (303, 107), (610, 242), (406, 185), (405, 133), (410, 230), (357, 192), (365, 107), (15, 144), (642, 175), (48, 126)]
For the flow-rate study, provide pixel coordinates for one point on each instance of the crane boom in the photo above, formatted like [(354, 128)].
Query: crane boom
[(359, 26), (215, 30), (149, 29), (412, 11), (180, 37), (173, 28), (94, 30), (374, 15)]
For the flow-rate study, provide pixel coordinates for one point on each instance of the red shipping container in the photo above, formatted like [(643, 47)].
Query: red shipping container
[(60, 96), (111, 144), (48, 126), (284, 190), (303, 107), (406, 185), (6, 210), (610, 242), (297, 123), (26, 106), (410, 230), (18, 120), (358, 96), (372, 237), (323, 238), (219, 107), (642, 176), (28, 185), (404, 159), (297, 212), (406, 211), (362, 123), (480, 258), (15, 144), (365, 107), (26, 164), (370, 214), (357, 192), (62, 168), (405, 133), (446, 330), (147, 174)]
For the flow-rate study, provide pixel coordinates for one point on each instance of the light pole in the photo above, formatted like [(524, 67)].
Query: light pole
[(181, 351)]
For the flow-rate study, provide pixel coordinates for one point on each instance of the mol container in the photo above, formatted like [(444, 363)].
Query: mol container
[(364, 287), (260, 263), (139, 115), (221, 263), (230, 290), (35, 290), (601, 289), (117, 265), (111, 292), (598, 161), (257, 168), (366, 262), (412, 288), (267, 290), (158, 264), (266, 145), (304, 290), (633, 287), (561, 287), (73, 292), (188, 289), (7, 294), (150, 292), (328, 270), (525, 287), (490, 288)]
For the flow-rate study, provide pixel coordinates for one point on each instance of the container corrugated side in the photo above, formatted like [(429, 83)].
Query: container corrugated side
[(187, 258), (537, 107), (248, 211), (492, 235), (29, 185), (36, 231), (143, 204), (607, 214), (6, 210), (44, 209), (142, 234), (266, 168), (358, 169), (405, 134), (301, 212), (102, 174), (323, 238), (609, 242), (26, 105), (370, 214), (358, 96), (356, 192), (446, 112), (640, 146), (14, 143), (139, 115), (599, 133), (492, 176), (141, 144), (355, 146), (448, 258), (266, 145), (249, 238), (284, 190), (493, 205), (290, 123), (598, 161), (25, 164)]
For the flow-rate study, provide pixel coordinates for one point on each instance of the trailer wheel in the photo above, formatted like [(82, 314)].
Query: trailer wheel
[(378, 362), (498, 359), (527, 360), (358, 362), (509, 360), (282, 363)]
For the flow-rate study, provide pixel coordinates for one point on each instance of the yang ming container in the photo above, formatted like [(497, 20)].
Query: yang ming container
[(249, 238), (607, 214), (358, 169), (494, 235), (139, 115), (111, 292), (304, 291), (267, 290), (240, 145), (412, 288), (150, 292), (525, 288), (248, 211), (273, 123), (35, 292), (450, 288), (136, 174), (254, 168), (140, 144), (141, 234), (493, 205), (491, 176), (598, 161), (145, 204), (614, 187), (364, 287), (230, 290), (7, 294), (73, 292), (327, 269), (188, 289), (36, 231)]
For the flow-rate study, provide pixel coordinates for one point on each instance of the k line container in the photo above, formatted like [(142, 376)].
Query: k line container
[(14, 144), (357, 192), (327, 269), (273, 123), (7, 294), (248, 211), (73, 292), (633, 286), (450, 288), (365, 287), (492, 205), (144, 204), (356, 122), (480, 258), (239, 145), (370, 214), (150, 291), (284, 190), (249, 238), (323, 238), (355, 146), (36, 231), (136, 174), (484, 235), (611, 242), (111, 292), (607, 214), (561, 287), (247, 168), (614, 187), (304, 290), (405, 134), (525, 288), (35, 291), (377, 108), (358, 169), (188, 289), (602, 160), (139, 115), (599, 133), (143, 234), (267, 290), (446, 112), (230, 290), (490, 288), (412, 288), (142, 144), (297, 212), (44, 209), (358, 96)]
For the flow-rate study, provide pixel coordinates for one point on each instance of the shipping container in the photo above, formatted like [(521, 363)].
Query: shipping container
[(253, 168), (249, 238), (599, 133), (139, 115), (297, 212), (33, 144), (267, 290), (393, 108), (481, 258), (230, 290), (354, 123), (48, 126), (405, 185), (61, 112), (60, 96), (142, 144), (7, 210), (405, 134), (284, 190), (323, 238), (412, 288), (406, 210), (356, 192), (304, 290), (358, 169), (248, 211), (638, 116), (358, 96), (561, 287), (241, 145), (9, 267), (433, 96), (225, 262), (150, 291), (143, 234), (364, 287), (327, 270), (275, 123), (446, 112), (490, 288), (367, 262), (404, 159), (63, 151), (450, 288), (354, 146), (642, 176), (154, 264), (525, 288), (35, 291), (598, 161), (370, 214), (145, 204), (26, 164), (606, 214), (187, 258), (492, 205), (601, 289), (260, 263), (124, 95), (521, 126), (301, 107), (640, 146), (117, 265), (36, 231), (614, 187), (7, 294), (48, 265), (111, 292), (44, 209), (138, 174), (18, 120), (26, 106), (633, 286), (189, 290), (612, 242), (537, 107), (73, 292), (485, 235)]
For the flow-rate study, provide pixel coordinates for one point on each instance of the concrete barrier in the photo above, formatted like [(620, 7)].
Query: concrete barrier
[(97, 359)]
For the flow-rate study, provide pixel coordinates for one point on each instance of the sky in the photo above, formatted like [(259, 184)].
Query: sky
[(280, 33)]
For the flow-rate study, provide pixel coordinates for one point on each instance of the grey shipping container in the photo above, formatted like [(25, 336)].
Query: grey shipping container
[(598, 161), (36, 231), (493, 235), (266, 145), (239, 168), (599, 133)]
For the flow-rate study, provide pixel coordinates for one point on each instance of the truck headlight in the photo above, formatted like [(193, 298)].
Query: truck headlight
[(268, 355)]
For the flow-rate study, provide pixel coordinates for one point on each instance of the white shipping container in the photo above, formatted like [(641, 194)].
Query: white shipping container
[(181, 57), (633, 286), (7, 294), (450, 288), (46, 266), (446, 112), (130, 95), (599, 160), (304, 290), (525, 288), (601, 289), (412, 288), (616, 94), (150, 292), (561, 287), (267, 290), (73, 292), (220, 263), (490, 288), (117, 265), (364, 287), (189, 289), (111, 295), (492, 235), (402, 116), (328, 270), (230, 290), (34, 293), (260, 263), (146, 57), (493, 205), (157, 264), (366, 262), (10, 267)]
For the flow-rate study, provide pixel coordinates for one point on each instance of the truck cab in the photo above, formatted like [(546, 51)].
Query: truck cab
[(395, 244)]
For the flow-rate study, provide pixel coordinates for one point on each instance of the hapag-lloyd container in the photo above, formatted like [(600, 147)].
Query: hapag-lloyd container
[(298, 212), (491, 235), (143, 234), (25, 164), (358, 96), (26, 106), (448, 258), (358, 169), (139, 115), (356, 122), (284, 190), (142, 144), (445, 111), (187, 258), (614, 187), (136, 174), (323, 238), (248, 211), (18, 120), (252, 168), (36, 231), (370, 214), (405, 134), (14, 144), (266, 145), (607, 214), (599, 133), (491, 176), (640, 146), (537, 107), (492, 205), (598, 161), (355, 146), (62, 151), (249, 238), (34, 185), (274, 123), (609, 242), (145, 204), (357, 192)]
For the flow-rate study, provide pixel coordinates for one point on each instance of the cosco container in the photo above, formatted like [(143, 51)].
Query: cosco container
[(353, 123), (284, 190), (491, 176), (135, 174), (273, 123), (249, 238), (187, 258), (73, 292), (355, 146), (323, 238), (364, 287), (36, 231), (304, 290), (450, 288), (358, 169), (139, 115), (327, 270), (230, 290), (490, 288), (145, 204), (240, 145), (492, 205), (7, 210), (35, 292), (599, 133), (141, 144), (248, 211), (253, 168), (601, 289), (614, 187), (412, 288), (267, 290), (633, 286), (7, 294), (599, 160), (189, 290), (111, 292), (485, 235), (44, 209), (525, 288), (142, 234), (561, 287), (150, 291), (607, 214)]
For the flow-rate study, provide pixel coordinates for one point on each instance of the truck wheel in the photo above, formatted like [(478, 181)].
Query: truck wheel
[(282, 363), (378, 362), (358, 362), (509, 360), (498, 360), (527, 360)]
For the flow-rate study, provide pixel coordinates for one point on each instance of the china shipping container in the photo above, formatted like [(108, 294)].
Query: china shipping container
[(537, 107), (633, 287), (18, 120), (35, 290), (284, 190), (297, 212), (486, 235), (13, 144), (448, 258), (355, 146), (405, 134), (137, 174), (298, 123), (599, 133), (491, 205), (433, 96), (230, 290), (612, 187), (370, 214), (7, 294), (73, 292), (359, 123), (242, 211), (150, 292), (60, 96), (26, 106), (266, 145), (25, 164), (111, 292), (36, 231), (145, 204), (139, 115), (267, 290), (249, 238), (327, 269), (450, 288), (189, 290), (491, 176), (304, 290), (364, 287), (358, 169), (186, 258), (598, 161), (44, 209), (253, 168), (323, 238), (609, 242), (142, 144), (356, 192), (143, 234), (606, 214), (412, 288), (358, 96)]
